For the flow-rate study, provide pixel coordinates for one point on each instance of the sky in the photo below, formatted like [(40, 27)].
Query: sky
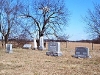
[(76, 26)]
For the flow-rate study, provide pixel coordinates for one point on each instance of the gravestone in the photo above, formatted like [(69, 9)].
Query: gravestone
[(54, 49), (27, 46), (41, 43), (81, 52), (35, 44), (9, 48)]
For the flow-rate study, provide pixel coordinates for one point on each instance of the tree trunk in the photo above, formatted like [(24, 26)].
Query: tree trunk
[(40, 35), (6, 39)]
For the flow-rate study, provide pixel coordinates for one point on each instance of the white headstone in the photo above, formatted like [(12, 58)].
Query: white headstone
[(54, 49), (27, 46), (41, 46), (81, 52), (9, 48), (35, 44)]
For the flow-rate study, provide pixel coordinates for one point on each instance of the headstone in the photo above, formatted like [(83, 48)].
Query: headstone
[(35, 44), (54, 49), (41, 45), (9, 48), (81, 52), (27, 46)]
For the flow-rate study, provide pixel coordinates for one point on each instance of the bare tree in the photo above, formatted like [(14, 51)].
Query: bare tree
[(93, 21), (63, 37), (49, 17), (8, 12)]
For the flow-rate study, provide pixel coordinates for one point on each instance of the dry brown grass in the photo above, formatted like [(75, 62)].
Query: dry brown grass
[(35, 62)]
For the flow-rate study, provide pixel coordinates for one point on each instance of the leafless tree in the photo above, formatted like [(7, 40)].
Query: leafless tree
[(93, 21), (63, 37), (8, 17), (49, 17)]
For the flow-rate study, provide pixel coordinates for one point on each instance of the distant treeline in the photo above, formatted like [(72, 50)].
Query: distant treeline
[(96, 41)]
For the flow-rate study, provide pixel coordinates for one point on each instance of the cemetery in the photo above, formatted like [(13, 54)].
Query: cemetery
[(56, 59), (35, 40)]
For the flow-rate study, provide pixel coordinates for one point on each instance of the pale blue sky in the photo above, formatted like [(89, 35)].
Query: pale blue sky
[(76, 25), (78, 9)]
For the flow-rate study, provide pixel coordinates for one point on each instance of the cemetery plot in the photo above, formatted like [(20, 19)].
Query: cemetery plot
[(27, 46), (23, 62), (54, 49), (9, 48), (81, 52)]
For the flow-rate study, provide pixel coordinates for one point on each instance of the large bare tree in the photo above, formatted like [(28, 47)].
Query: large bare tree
[(8, 17), (93, 21), (49, 17)]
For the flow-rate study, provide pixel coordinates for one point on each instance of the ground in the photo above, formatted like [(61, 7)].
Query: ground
[(35, 62)]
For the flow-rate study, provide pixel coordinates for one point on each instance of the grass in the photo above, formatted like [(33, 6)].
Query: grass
[(35, 62)]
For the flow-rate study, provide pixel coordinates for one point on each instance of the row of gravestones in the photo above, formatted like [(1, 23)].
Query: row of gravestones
[(41, 44), (54, 50)]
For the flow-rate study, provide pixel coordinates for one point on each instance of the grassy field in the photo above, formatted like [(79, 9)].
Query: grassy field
[(35, 62)]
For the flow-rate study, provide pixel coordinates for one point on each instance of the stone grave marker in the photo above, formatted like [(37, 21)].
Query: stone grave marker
[(35, 44), (54, 49), (81, 52), (9, 48), (27, 46), (41, 45)]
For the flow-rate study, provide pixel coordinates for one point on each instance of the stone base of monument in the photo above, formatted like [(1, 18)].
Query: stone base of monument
[(41, 48), (9, 51), (53, 54), (81, 56)]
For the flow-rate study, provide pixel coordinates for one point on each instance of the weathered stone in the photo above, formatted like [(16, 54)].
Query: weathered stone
[(41, 46), (9, 48), (27, 46), (81, 52), (35, 44), (54, 49)]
